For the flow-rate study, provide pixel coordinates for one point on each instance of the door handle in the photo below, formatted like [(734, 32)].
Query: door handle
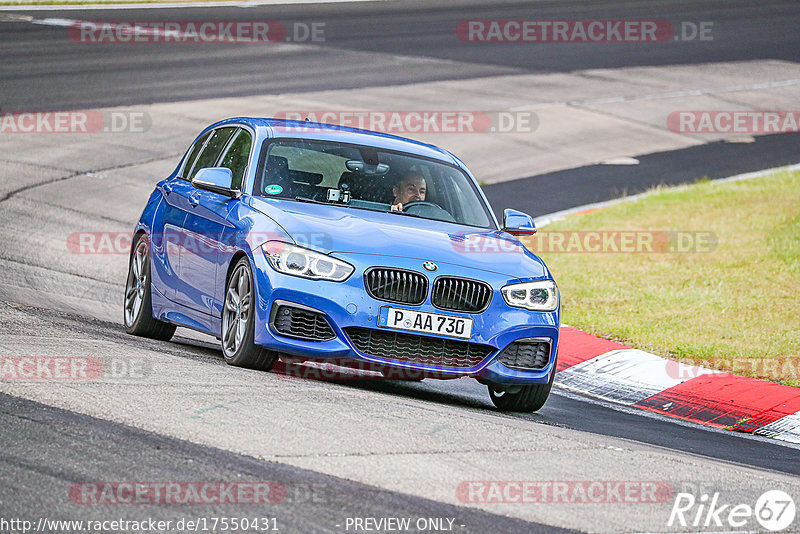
[(194, 200)]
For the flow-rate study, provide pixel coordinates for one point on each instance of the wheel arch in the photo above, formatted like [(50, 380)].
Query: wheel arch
[(234, 260), (138, 232)]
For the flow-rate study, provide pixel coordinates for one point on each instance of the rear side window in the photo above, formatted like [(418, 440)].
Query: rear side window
[(193, 153), (210, 154), (238, 157)]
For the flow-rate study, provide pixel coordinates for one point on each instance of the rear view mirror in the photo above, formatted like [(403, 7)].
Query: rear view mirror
[(518, 223), (216, 179), (354, 165)]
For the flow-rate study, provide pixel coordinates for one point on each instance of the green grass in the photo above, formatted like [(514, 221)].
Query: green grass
[(736, 308)]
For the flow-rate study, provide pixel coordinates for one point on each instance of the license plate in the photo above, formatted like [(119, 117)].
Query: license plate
[(429, 323)]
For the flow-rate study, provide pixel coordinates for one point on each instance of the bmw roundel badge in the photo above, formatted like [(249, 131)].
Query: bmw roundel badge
[(430, 266)]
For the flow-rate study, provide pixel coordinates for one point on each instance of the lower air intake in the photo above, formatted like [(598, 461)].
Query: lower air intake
[(531, 354), (301, 323), (412, 348)]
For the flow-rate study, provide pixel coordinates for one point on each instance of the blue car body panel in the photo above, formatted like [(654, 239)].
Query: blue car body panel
[(196, 235)]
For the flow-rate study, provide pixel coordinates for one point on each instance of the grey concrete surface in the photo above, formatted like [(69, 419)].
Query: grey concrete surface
[(582, 118), (395, 442), (300, 501)]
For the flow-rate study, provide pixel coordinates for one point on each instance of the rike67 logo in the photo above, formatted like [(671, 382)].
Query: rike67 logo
[(774, 510)]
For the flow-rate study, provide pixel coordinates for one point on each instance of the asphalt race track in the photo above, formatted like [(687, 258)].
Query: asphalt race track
[(362, 44), (341, 449), (562, 190)]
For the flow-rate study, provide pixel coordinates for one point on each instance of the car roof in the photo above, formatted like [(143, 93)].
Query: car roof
[(331, 132)]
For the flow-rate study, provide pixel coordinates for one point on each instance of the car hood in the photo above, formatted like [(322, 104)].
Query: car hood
[(332, 229)]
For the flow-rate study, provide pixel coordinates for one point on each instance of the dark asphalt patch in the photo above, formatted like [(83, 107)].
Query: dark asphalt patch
[(561, 190), (38, 480)]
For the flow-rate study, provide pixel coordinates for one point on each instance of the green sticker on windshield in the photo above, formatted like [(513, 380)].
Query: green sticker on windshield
[(274, 189)]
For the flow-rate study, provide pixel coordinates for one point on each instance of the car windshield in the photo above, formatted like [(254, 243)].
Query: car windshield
[(369, 178)]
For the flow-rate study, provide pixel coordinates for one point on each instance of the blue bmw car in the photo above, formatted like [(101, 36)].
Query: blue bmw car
[(306, 241)]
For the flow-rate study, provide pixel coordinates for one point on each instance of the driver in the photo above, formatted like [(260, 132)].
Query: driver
[(411, 188)]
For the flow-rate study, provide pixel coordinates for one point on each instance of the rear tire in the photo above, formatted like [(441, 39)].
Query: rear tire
[(238, 322), (138, 302)]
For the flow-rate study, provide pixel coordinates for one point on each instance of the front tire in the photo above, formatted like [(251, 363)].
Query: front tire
[(522, 398), (238, 322), (138, 303), (527, 399)]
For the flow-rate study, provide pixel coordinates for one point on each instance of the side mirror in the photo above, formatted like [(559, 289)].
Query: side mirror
[(518, 223), (216, 179)]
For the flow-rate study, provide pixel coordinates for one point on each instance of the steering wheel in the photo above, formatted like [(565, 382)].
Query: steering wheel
[(420, 203), (428, 210)]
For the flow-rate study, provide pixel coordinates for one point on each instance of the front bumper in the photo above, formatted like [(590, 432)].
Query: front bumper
[(347, 304)]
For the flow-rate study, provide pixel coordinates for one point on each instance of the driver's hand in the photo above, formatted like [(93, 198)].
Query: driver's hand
[(397, 207)]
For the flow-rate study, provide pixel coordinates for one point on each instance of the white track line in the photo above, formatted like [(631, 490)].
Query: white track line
[(544, 220), (630, 375), (785, 429), (662, 96), (174, 5)]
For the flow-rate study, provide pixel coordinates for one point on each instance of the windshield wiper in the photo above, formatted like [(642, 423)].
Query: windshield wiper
[(311, 200), (315, 201)]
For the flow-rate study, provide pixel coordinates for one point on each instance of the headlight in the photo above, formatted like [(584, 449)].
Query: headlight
[(537, 296), (291, 259)]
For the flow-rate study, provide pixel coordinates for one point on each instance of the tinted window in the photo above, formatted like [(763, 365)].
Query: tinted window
[(369, 178), (195, 150), (237, 157), (210, 154)]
